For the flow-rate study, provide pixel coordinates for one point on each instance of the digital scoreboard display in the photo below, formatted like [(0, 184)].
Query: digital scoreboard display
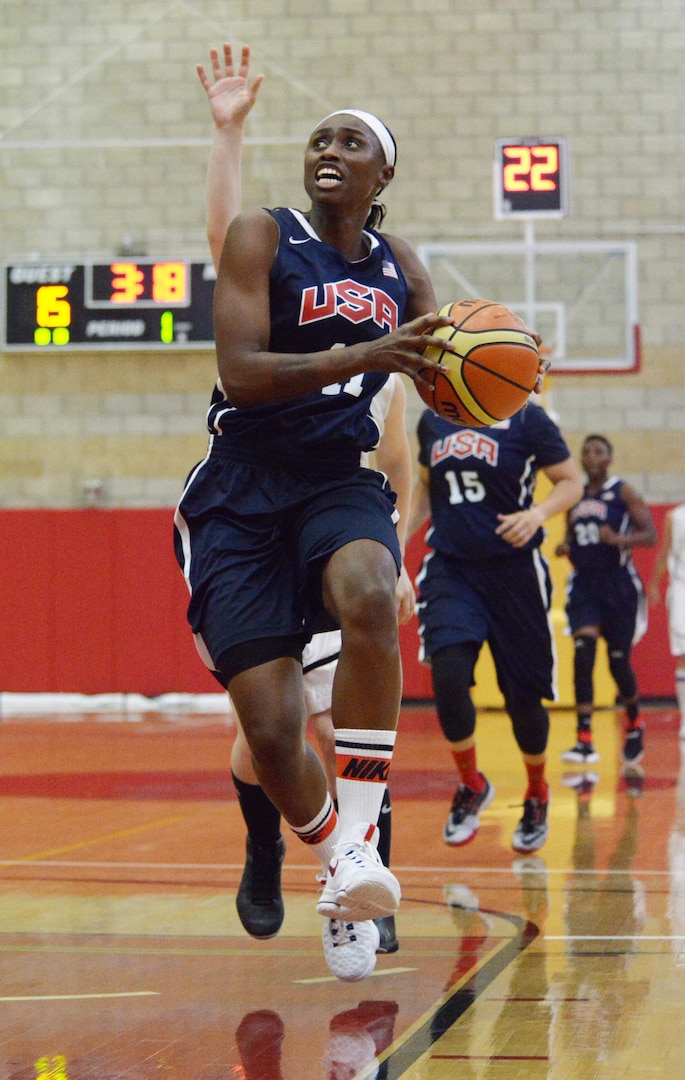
[(530, 178), (124, 304)]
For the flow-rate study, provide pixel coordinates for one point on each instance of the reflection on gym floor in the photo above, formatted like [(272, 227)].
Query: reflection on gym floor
[(122, 953)]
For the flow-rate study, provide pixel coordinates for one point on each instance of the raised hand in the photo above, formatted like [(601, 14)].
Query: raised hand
[(230, 94)]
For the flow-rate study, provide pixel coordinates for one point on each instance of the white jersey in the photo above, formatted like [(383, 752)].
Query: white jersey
[(675, 594), (676, 556)]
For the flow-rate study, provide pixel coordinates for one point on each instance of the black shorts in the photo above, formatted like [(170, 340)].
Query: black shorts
[(505, 602), (611, 600), (252, 541)]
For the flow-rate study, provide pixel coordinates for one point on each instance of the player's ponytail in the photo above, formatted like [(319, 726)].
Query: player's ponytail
[(376, 215)]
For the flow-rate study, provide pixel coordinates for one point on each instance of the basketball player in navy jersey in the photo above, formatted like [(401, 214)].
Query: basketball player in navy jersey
[(282, 532), (231, 96), (484, 579), (605, 595)]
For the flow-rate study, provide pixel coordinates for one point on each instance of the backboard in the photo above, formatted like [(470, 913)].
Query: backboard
[(580, 297)]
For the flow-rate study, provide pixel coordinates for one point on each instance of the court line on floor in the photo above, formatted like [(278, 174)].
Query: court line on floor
[(42, 858), (614, 937), (374, 975), (80, 997), (417, 1042), (461, 871)]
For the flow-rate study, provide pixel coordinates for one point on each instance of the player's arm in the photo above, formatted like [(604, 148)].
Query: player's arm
[(420, 509), (393, 457), (643, 530), (231, 97), (251, 374), (661, 561), (564, 547), (567, 488)]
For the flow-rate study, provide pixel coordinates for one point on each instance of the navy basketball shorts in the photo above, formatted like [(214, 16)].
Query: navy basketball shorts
[(505, 602), (252, 541), (607, 599)]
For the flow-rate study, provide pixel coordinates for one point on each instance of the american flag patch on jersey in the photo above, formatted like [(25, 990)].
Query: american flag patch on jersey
[(389, 268)]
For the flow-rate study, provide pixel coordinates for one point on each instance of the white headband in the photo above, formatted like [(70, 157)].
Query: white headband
[(379, 129)]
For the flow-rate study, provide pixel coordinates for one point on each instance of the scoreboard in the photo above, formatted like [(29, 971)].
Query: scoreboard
[(58, 305), (530, 178)]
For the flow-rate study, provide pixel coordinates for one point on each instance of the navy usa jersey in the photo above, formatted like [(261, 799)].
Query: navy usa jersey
[(318, 300), (585, 519), (477, 473)]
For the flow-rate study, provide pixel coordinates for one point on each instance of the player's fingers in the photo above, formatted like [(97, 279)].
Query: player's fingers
[(244, 69), (203, 76), (430, 321), (438, 343), (216, 66), (228, 58), (258, 80)]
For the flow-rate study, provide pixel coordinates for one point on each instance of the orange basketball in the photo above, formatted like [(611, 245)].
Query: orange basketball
[(493, 371)]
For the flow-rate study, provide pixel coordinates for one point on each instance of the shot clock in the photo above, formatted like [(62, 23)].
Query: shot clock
[(123, 304), (530, 178)]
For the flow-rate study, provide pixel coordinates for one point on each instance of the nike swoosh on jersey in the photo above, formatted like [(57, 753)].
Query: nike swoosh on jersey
[(301, 240)]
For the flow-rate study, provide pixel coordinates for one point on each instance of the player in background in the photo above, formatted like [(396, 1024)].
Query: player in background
[(231, 97), (485, 579), (281, 532), (605, 596), (671, 557)]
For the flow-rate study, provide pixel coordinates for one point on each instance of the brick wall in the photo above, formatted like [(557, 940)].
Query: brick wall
[(104, 135)]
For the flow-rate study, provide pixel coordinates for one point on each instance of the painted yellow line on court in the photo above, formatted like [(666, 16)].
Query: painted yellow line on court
[(374, 975), (100, 839)]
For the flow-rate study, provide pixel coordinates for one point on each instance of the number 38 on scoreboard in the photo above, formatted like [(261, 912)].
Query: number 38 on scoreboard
[(530, 178)]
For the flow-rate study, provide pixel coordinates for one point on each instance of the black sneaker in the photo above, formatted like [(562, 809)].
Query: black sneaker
[(583, 753), (259, 901), (634, 746), (462, 824), (531, 831), (388, 935)]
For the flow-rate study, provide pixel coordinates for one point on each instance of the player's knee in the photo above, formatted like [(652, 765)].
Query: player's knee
[(530, 723), (275, 738), (369, 608), (452, 672), (622, 673)]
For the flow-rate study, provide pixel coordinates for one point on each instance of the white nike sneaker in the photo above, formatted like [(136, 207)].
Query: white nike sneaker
[(350, 948), (358, 886)]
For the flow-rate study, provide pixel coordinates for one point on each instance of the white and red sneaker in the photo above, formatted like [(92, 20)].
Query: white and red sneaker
[(358, 886), (350, 948)]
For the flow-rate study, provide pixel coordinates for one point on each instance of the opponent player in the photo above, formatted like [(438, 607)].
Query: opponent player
[(231, 97), (282, 532), (485, 579), (671, 557), (605, 594)]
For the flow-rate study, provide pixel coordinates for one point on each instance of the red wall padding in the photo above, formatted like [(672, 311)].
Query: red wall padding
[(92, 601)]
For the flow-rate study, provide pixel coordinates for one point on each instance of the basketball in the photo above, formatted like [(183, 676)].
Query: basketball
[(493, 371)]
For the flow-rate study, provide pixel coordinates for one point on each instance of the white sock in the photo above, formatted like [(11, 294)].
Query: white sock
[(363, 761), (321, 834)]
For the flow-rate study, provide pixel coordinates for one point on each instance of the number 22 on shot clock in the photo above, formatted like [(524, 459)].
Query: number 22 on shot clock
[(530, 178)]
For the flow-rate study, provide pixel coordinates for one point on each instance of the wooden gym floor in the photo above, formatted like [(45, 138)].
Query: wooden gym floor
[(122, 955)]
